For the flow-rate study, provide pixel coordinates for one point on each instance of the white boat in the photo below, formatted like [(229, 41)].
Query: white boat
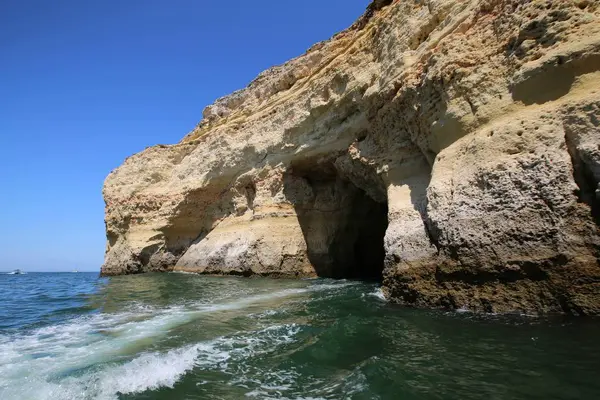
[(17, 272)]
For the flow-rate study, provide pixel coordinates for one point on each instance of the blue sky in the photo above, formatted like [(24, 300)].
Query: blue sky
[(86, 83)]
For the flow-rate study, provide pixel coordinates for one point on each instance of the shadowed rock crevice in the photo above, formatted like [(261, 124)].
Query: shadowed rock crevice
[(342, 225), (583, 173), (587, 192)]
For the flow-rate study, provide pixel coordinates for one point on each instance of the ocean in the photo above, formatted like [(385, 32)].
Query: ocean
[(180, 336)]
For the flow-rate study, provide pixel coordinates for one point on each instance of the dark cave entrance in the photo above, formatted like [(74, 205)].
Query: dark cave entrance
[(343, 226)]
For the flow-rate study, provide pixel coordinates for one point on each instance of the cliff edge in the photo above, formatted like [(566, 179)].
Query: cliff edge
[(450, 148)]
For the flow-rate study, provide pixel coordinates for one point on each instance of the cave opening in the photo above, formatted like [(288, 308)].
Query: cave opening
[(343, 225)]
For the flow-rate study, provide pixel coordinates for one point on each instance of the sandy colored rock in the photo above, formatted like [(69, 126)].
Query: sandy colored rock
[(450, 148)]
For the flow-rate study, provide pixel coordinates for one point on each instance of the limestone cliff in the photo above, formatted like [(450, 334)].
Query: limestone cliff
[(450, 148)]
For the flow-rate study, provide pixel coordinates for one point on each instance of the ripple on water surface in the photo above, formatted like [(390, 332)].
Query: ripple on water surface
[(185, 336)]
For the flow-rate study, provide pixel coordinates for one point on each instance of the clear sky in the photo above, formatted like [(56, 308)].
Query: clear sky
[(86, 83)]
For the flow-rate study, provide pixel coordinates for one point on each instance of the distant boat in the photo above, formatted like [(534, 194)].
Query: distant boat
[(74, 271), (17, 272)]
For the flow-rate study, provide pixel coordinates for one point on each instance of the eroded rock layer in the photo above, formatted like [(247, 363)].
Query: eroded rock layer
[(450, 148)]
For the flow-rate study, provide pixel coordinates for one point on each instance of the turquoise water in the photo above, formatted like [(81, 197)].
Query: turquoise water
[(177, 336)]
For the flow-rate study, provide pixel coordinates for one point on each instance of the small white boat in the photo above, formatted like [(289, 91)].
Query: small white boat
[(17, 272)]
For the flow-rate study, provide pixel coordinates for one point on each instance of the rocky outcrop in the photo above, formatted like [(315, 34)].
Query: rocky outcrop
[(450, 148)]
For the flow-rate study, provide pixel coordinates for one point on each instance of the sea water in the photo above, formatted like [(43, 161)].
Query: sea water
[(182, 336)]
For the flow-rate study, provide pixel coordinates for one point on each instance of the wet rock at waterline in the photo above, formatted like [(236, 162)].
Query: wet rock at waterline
[(449, 148)]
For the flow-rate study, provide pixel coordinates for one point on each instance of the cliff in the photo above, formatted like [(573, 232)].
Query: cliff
[(450, 148)]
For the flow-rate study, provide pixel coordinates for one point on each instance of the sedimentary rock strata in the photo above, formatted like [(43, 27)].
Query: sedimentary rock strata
[(447, 147)]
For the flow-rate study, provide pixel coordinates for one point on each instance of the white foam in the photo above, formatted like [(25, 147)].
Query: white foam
[(184, 273), (31, 364), (265, 314), (378, 293), (463, 309), (76, 359), (59, 349), (147, 371), (89, 340)]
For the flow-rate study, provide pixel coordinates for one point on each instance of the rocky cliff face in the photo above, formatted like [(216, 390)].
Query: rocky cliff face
[(450, 148)]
